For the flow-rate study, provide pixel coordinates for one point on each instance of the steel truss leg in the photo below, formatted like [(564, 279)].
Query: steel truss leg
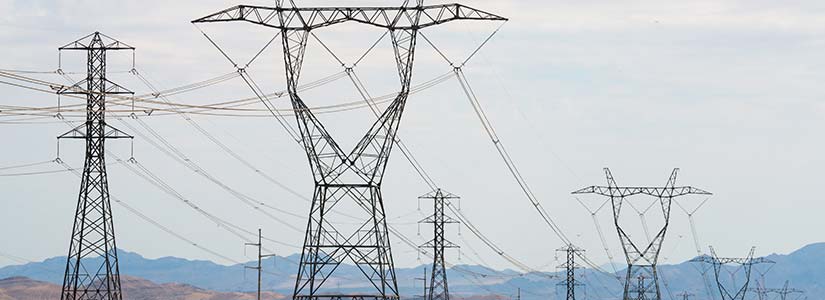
[(642, 280), (343, 179)]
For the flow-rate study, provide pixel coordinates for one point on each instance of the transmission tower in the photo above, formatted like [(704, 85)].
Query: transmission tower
[(438, 279), (760, 291), (570, 283), (782, 292), (640, 289), (685, 295), (92, 267), (641, 261), (745, 263), (785, 291), (357, 175)]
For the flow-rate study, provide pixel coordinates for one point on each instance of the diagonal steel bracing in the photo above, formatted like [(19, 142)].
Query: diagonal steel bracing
[(570, 283), (641, 281), (92, 271), (746, 263), (439, 290), (347, 178)]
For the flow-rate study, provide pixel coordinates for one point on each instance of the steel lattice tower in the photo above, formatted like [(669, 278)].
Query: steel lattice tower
[(570, 283), (641, 261), (746, 263), (92, 267), (353, 176), (685, 295), (438, 278), (783, 292)]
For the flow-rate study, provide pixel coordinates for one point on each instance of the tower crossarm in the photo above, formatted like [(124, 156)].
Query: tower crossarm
[(783, 291), (743, 261), (309, 18), (96, 40), (732, 260), (661, 192)]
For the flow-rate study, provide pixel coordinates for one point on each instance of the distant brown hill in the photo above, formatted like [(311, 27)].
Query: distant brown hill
[(22, 288)]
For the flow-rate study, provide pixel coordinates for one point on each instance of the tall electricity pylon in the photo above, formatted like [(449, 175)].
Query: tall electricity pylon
[(438, 279), (760, 291), (92, 267), (642, 261), (570, 283), (746, 263), (785, 291), (356, 175), (685, 295)]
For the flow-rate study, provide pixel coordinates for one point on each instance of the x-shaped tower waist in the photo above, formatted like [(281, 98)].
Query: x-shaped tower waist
[(642, 261)]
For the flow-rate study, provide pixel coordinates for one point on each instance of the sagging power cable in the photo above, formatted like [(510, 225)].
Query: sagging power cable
[(153, 222)]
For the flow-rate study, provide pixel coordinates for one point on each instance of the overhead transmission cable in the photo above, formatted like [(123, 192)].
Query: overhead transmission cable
[(390, 228), (178, 156), (153, 222), (704, 268), (221, 145), (228, 108), (511, 166), (143, 172), (26, 165), (490, 130), (414, 163), (599, 230)]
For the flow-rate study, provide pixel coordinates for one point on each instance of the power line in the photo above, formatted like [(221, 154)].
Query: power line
[(179, 157), (154, 222)]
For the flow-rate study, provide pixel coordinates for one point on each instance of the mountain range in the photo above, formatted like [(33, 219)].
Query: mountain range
[(804, 269)]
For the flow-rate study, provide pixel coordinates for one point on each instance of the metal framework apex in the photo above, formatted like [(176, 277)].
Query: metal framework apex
[(96, 40)]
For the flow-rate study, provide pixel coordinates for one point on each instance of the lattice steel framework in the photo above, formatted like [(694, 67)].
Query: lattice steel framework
[(782, 292), (348, 176), (685, 295), (746, 263), (439, 289), (92, 270), (642, 261), (570, 283)]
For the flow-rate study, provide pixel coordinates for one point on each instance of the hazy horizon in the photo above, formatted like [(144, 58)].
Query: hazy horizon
[(728, 91)]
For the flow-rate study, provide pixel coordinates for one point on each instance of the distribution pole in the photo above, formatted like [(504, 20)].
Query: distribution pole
[(92, 271), (570, 266), (642, 259), (439, 289), (259, 268), (423, 279), (347, 178)]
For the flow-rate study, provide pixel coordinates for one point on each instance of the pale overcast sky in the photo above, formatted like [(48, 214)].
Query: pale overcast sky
[(728, 91)]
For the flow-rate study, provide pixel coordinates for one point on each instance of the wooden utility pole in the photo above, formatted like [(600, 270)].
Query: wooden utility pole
[(424, 279)]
